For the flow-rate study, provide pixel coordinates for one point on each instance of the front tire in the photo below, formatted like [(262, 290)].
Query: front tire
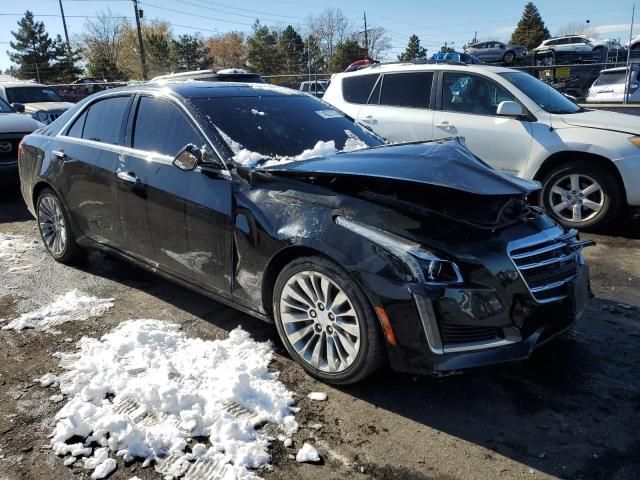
[(509, 57), (325, 321), (581, 195), (55, 228)]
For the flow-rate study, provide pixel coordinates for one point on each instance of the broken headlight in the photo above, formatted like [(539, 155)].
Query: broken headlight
[(424, 266)]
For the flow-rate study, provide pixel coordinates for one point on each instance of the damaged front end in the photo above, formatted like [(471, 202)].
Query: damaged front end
[(460, 269)]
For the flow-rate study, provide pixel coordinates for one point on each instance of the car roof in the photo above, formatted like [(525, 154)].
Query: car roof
[(421, 67), (199, 89), (613, 70)]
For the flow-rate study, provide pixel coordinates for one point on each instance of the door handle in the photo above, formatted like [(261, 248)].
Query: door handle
[(59, 153), (129, 177), (369, 119), (445, 125)]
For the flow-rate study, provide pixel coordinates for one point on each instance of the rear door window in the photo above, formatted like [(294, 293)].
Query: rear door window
[(356, 89), (407, 89), (104, 120), (161, 127)]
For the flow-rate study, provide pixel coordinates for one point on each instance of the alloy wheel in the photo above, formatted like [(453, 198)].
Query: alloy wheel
[(52, 225), (320, 322), (576, 198)]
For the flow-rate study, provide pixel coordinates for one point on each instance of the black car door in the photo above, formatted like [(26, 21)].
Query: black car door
[(86, 156), (177, 220)]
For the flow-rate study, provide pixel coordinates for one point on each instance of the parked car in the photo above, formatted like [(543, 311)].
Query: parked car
[(609, 87), (13, 127), (609, 45), (314, 87), (455, 57), (587, 161), (497, 52), (35, 99), (418, 253), (572, 47), (226, 75)]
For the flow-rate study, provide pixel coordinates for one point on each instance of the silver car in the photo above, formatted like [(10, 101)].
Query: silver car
[(610, 85), (497, 52)]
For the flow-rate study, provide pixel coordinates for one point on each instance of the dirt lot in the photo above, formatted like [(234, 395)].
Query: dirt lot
[(572, 411)]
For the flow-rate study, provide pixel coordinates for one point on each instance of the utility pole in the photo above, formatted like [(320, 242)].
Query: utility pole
[(66, 33), (366, 34), (143, 63), (628, 76)]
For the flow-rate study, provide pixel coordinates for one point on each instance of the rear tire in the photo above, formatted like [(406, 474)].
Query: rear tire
[(55, 228), (509, 57), (582, 195), (326, 322)]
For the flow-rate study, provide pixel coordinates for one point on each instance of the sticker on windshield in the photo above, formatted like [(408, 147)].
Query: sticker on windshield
[(329, 114)]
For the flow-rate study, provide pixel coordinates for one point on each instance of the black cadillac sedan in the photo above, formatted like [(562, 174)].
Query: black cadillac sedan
[(273, 202)]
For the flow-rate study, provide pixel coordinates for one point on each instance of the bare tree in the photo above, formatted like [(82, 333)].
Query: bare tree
[(331, 28), (100, 45), (577, 28), (379, 41)]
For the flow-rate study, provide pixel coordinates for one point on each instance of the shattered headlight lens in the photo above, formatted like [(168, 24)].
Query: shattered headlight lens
[(425, 266)]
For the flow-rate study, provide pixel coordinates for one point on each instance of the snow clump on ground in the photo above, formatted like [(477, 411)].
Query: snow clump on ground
[(71, 306), (146, 391)]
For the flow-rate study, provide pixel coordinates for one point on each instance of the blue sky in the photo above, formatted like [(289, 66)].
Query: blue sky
[(434, 22)]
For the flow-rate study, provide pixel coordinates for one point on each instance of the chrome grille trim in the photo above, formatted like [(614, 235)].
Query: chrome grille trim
[(558, 251)]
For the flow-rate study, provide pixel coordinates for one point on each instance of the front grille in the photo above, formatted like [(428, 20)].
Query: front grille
[(468, 334), (547, 266), (9, 149)]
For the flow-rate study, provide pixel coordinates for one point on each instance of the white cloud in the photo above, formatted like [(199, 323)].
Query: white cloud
[(613, 28)]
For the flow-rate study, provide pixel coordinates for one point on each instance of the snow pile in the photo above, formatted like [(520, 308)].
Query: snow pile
[(248, 158), (257, 112), (307, 454), (65, 308), (318, 396), (146, 390), (12, 249)]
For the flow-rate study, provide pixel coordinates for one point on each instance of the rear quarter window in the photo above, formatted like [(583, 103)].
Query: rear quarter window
[(356, 89)]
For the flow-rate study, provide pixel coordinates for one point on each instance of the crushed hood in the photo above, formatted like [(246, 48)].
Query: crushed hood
[(440, 179), (442, 164), (620, 122)]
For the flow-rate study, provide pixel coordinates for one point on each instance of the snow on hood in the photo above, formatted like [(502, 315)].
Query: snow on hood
[(602, 119), (47, 106), (18, 123), (145, 390)]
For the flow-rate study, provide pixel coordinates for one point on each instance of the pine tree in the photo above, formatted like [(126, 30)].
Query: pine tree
[(414, 51), (262, 50), (530, 30), (37, 55), (346, 53), (189, 53), (291, 48), (314, 60)]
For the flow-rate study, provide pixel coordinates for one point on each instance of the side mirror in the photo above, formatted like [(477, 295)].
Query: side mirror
[(18, 107), (509, 109), (188, 158)]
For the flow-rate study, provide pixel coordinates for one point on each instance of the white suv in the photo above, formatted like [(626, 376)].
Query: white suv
[(588, 161)]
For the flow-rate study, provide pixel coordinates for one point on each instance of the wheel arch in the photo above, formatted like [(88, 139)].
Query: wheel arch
[(275, 266), (560, 158)]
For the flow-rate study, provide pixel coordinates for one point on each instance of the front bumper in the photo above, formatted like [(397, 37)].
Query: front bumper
[(445, 330)]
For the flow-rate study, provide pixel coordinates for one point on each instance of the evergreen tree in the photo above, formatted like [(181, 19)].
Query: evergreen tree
[(530, 30), (346, 53), (157, 52), (414, 51), (37, 55), (291, 48), (189, 53), (262, 50)]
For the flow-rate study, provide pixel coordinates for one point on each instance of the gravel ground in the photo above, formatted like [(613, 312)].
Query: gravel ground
[(572, 411)]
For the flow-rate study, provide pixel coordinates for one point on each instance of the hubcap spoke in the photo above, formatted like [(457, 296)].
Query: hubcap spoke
[(593, 188), (591, 205), (577, 213), (320, 322)]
